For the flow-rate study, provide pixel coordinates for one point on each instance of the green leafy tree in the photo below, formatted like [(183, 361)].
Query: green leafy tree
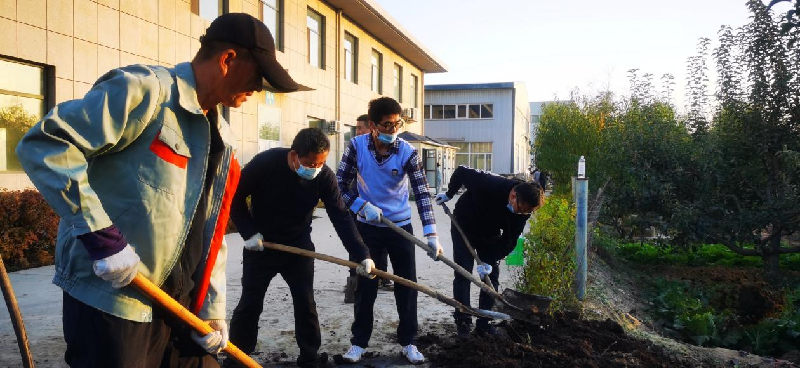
[(17, 121), (751, 187), (569, 130)]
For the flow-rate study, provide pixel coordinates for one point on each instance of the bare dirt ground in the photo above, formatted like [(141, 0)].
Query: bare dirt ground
[(613, 331)]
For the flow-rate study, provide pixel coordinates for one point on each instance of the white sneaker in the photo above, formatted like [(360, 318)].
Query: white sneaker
[(353, 355), (412, 354)]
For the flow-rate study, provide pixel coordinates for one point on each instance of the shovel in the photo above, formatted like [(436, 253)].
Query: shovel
[(161, 298), (385, 275), (524, 306), (16, 317), (472, 251)]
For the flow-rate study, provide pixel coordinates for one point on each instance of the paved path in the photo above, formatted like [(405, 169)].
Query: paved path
[(40, 303)]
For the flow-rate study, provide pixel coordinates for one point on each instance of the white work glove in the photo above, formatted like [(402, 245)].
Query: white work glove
[(436, 248), (255, 243), (119, 268), (364, 269), (441, 198), (372, 213), (484, 270), (215, 341)]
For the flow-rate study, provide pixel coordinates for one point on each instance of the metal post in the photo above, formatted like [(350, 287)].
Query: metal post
[(581, 195)]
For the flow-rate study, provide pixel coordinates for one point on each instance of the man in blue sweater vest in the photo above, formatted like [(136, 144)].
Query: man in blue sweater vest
[(380, 162)]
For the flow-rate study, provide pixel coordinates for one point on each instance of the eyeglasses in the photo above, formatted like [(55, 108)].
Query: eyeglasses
[(392, 126)]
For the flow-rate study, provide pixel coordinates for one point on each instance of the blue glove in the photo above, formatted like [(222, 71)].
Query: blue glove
[(441, 198), (484, 270), (372, 213)]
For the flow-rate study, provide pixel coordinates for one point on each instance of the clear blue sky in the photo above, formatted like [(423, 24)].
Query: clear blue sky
[(555, 46)]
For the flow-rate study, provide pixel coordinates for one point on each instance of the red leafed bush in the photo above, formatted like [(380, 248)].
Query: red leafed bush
[(28, 228)]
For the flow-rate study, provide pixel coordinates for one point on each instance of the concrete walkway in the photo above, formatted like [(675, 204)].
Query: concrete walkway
[(40, 303)]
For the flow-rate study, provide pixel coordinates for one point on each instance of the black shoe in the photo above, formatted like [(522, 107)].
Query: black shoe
[(487, 330), (463, 330), (320, 361), (387, 285)]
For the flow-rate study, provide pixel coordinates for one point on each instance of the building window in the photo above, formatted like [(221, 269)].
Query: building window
[(414, 87), (22, 104), (377, 71), (427, 109), (465, 111), (350, 58), (269, 123), (461, 113), (477, 155), (316, 42), (210, 9), (349, 133), (398, 83), (271, 15)]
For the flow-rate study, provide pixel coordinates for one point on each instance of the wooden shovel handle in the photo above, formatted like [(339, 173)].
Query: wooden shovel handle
[(161, 298), (16, 317), (384, 275), (472, 251), (469, 276)]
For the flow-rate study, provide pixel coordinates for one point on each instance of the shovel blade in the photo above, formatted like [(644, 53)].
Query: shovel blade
[(523, 307)]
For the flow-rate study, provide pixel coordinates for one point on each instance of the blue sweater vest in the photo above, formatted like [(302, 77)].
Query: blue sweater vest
[(385, 185)]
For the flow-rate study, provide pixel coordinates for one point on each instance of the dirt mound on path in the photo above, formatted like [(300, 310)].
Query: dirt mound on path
[(561, 341)]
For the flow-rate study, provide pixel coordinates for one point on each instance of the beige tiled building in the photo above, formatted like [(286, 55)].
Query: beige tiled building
[(348, 51)]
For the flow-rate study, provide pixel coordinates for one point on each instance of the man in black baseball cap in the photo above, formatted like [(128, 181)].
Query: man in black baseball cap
[(248, 32)]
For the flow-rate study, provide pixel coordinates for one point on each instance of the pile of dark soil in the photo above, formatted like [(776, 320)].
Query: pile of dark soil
[(563, 340)]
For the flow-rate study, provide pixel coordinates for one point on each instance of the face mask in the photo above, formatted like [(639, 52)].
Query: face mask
[(307, 173), (510, 208), (387, 138)]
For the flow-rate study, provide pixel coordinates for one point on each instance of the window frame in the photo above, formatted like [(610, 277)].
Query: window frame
[(397, 80), (223, 8), (277, 34), (376, 82), (320, 36), (414, 90), (47, 95), (354, 56), (469, 108)]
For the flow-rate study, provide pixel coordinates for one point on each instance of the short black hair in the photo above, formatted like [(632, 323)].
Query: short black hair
[(364, 118), (310, 140), (382, 106), (530, 193)]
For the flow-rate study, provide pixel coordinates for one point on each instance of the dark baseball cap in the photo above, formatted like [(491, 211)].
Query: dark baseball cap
[(246, 31)]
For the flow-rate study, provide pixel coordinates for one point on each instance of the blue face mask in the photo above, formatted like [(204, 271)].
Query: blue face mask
[(387, 138), (510, 208), (307, 173)]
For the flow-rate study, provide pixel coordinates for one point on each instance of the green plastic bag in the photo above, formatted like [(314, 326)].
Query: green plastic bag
[(515, 258)]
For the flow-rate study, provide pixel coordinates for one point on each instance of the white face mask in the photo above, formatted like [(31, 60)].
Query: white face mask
[(308, 173)]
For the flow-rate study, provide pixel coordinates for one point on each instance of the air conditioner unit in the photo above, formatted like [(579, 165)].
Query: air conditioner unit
[(411, 114), (333, 126)]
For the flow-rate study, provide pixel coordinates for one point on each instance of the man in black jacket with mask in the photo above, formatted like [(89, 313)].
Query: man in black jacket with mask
[(492, 212), (285, 185)]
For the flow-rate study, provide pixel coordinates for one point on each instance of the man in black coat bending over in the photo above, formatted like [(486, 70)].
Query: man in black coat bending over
[(492, 212), (285, 185)]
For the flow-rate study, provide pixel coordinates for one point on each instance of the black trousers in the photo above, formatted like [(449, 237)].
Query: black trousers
[(258, 269), (461, 285), (97, 339), (401, 254), (381, 260)]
